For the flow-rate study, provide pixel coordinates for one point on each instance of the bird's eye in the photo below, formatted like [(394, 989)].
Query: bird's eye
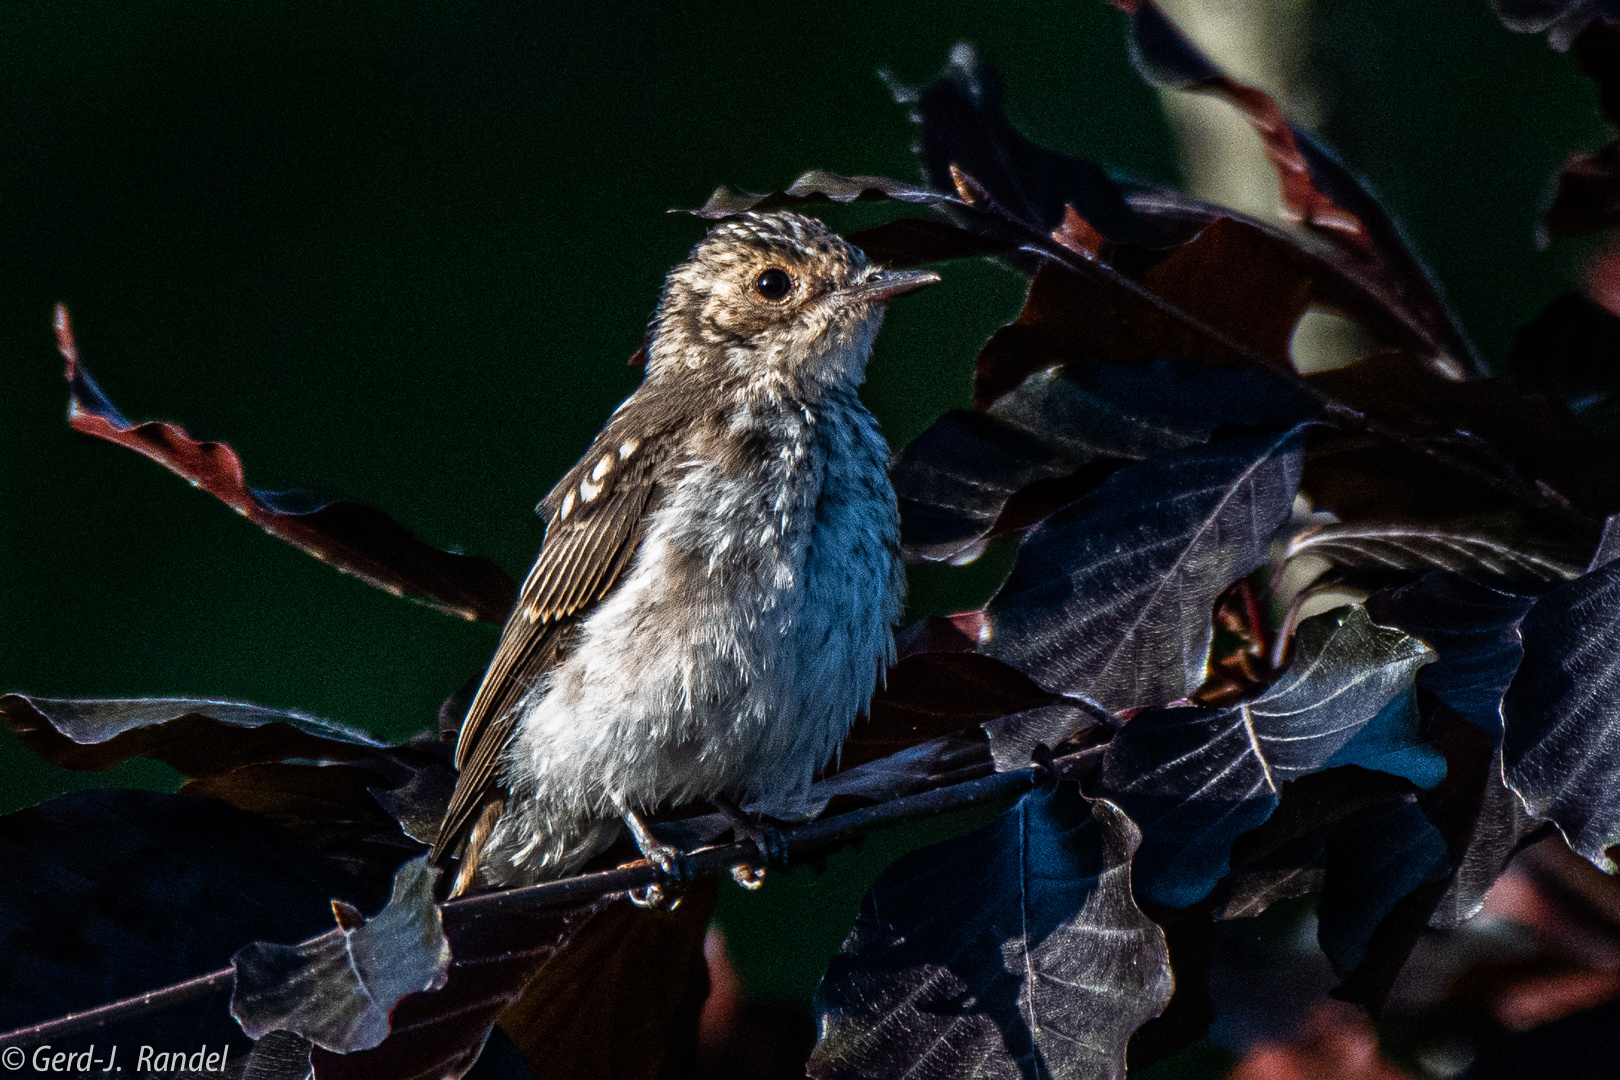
[(773, 284)]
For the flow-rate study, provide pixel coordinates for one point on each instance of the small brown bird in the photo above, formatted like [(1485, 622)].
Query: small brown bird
[(714, 600)]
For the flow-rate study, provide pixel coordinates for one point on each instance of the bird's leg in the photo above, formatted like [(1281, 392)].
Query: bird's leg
[(767, 840), (667, 860)]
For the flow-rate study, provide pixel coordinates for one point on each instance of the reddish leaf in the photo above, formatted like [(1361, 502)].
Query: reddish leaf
[(1069, 317), (1318, 191), (356, 539)]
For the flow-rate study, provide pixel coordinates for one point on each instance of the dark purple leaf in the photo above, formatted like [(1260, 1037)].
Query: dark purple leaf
[(1014, 738), (1429, 449), (954, 480), (1286, 856), (912, 241), (1501, 827), (1375, 858), (623, 999), (354, 538), (1571, 351), (194, 736), (959, 481), (1195, 779), (928, 695), (111, 893), (1110, 599), (1562, 713), (1014, 951), (963, 125), (492, 959), (1475, 631), (339, 989), (1317, 189), (1090, 410), (1400, 546), (817, 185)]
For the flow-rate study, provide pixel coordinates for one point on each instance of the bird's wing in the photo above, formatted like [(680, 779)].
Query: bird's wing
[(596, 519)]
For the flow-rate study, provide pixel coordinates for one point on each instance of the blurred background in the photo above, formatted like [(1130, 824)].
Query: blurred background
[(400, 252)]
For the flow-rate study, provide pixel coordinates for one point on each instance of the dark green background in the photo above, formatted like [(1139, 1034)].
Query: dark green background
[(399, 252)]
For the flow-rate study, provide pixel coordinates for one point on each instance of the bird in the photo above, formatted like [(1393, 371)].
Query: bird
[(714, 598)]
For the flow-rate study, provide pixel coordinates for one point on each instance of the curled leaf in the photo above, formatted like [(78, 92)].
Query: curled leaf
[(818, 185), (1366, 545), (339, 990), (195, 736), (1319, 192), (352, 537)]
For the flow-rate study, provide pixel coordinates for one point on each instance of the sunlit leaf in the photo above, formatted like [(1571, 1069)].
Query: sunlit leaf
[(1110, 599), (338, 990), (1562, 713), (1014, 951), (1195, 779), (1366, 545)]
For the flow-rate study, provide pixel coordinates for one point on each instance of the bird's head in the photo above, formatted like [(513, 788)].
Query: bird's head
[(774, 300)]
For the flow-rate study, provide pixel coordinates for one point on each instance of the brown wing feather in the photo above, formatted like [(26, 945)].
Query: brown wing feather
[(585, 551)]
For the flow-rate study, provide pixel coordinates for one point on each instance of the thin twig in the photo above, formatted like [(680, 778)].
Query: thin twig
[(801, 840)]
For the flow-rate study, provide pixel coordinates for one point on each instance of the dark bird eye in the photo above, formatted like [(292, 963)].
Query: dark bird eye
[(774, 284)]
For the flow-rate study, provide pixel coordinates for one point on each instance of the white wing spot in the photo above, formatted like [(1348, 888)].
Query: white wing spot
[(567, 506), (588, 490), (602, 467), (626, 449)]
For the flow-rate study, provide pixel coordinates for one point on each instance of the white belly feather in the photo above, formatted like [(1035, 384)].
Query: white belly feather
[(746, 636)]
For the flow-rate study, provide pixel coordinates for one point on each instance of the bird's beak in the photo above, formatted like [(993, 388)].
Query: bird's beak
[(885, 285)]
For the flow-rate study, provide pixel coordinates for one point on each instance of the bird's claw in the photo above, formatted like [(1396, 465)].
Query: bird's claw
[(671, 866), (768, 842)]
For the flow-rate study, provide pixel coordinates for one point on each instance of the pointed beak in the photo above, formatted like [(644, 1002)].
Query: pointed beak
[(885, 285)]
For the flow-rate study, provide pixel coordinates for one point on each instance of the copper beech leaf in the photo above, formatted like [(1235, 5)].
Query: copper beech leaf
[(1110, 598), (352, 537), (1318, 191), (1058, 435), (1429, 449), (1562, 729), (1196, 779), (338, 990), (1403, 546), (963, 127), (112, 893), (197, 737), (494, 957), (1014, 951)]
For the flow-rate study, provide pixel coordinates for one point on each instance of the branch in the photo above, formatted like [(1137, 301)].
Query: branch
[(801, 840)]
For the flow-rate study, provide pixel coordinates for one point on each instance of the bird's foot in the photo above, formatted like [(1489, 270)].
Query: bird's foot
[(667, 861), (767, 839)]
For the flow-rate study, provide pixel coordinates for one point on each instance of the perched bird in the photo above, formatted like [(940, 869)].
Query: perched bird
[(714, 600)]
